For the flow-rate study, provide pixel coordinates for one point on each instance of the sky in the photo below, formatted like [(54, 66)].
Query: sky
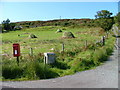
[(33, 11)]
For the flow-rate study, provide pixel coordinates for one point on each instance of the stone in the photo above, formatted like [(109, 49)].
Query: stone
[(59, 30), (68, 35), (32, 36)]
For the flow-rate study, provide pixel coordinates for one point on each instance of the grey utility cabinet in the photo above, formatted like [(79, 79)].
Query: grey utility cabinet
[(49, 57)]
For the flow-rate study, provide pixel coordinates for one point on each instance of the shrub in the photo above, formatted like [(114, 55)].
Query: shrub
[(30, 70), (44, 72), (35, 70), (99, 55), (83, 61), (57, 70), (65, 24), (60, 64), (67, 72), (11, 71), (106, 24)]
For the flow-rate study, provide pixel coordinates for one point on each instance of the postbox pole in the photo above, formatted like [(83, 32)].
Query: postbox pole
[(18, 60)]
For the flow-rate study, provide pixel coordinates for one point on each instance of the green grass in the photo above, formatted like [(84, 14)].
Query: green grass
[(46, 40), (75, 57)]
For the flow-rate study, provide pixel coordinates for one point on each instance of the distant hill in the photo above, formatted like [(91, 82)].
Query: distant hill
[(57, 22)]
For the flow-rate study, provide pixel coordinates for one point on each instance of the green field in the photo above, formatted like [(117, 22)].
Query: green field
[(76, 56), (47, 39)]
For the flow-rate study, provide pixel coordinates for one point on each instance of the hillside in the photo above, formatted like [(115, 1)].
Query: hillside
[(59, 22)]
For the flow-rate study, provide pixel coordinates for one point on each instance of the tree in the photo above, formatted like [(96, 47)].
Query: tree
[(106, 24), (117, 20), (6, 25), (104, 19), (103, 14)]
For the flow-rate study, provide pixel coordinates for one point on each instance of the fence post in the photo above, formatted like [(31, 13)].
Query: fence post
[(85, 43), (106, 34), (63, 47), (31, 51), (103, 40)]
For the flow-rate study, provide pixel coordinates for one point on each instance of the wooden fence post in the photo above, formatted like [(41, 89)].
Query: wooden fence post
[(31, 51), (85, 43), (63, 47), (107, 34), (103, 40)]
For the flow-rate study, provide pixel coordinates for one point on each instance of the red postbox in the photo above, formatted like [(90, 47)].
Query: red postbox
[(16, 50)]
